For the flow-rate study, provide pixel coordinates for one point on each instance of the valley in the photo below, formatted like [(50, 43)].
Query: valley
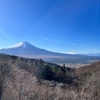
[(27, 50)]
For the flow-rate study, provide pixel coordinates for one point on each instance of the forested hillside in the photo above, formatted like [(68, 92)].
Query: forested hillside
[(30, 79)]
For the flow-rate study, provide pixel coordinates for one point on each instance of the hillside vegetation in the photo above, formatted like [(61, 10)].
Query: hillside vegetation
[(31, 79)]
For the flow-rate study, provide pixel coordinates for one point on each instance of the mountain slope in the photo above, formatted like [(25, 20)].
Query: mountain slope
[(26, 49)]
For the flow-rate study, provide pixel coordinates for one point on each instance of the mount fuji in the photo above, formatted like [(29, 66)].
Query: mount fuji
[(28, 50)]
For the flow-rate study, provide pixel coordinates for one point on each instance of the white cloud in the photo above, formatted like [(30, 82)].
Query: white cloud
[(71, 53)]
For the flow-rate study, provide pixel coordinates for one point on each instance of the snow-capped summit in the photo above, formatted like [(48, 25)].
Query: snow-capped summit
[(23, 44), (25, 49)]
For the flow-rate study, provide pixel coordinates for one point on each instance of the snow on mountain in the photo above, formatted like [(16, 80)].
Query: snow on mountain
[(23, 44)]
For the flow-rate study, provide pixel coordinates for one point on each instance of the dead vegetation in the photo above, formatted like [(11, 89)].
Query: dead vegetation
[(30, 79)]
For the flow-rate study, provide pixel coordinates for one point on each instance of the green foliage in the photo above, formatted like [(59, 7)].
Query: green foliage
[(47, 73), (55, 73)]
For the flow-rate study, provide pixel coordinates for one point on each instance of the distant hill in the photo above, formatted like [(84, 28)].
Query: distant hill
[(31, 79), (93, 54)]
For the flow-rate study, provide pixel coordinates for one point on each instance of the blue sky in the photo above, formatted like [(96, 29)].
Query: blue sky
[(69, 26)]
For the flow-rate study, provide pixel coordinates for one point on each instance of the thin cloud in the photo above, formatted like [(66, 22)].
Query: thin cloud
[(57, 41), (46, 39), (88, 49), (92, 50), (5, 34)]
